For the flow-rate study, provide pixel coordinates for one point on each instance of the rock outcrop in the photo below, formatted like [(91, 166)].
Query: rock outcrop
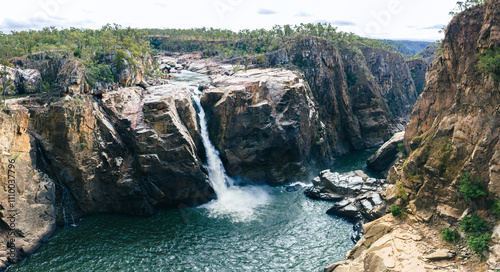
[(23, 81), (418, 70), (357, 194), (387, 154), (264, 124), (27, 196), (454, 130), (65, 74), (394, 78), (454, 127), (393, 245), (128, 156)]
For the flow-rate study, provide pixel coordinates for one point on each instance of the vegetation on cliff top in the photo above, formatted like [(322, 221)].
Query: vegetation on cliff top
[(84, 43), (230, 44)]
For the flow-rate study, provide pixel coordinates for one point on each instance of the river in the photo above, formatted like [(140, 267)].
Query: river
[(277, 229)]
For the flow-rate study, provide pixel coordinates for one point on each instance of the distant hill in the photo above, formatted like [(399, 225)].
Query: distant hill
[(409, 47)]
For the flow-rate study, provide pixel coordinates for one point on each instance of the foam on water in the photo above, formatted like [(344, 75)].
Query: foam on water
[(238, 203)]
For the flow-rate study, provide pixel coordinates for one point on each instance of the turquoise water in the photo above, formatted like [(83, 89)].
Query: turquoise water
[(291, 233)]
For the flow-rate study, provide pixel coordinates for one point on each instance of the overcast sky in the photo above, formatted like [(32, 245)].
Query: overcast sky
[(392, 19)]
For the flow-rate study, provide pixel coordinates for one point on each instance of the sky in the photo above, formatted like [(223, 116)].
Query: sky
[(384, 19)]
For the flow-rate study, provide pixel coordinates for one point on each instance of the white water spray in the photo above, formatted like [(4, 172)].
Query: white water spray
[(239, 203)]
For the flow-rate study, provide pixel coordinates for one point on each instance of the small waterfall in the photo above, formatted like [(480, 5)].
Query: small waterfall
[(236, 202), (65, 201)]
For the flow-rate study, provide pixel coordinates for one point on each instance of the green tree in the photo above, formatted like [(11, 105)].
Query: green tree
[(6, 82)]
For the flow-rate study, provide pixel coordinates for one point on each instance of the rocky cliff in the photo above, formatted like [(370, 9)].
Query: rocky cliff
[(27, 196), (347, 99), (418, 70), (264, 122), (62, 73), (131, 153), (453, 135)]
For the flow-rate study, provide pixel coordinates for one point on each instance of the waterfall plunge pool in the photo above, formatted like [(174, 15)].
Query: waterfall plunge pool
[(285, 232)]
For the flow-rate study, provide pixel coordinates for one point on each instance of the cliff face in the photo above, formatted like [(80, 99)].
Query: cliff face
[(392, 74), (347, 100), (27, 196), (130, 155), (264, 123), (418, 69), (135, 151), (454, 129), (361, 95)]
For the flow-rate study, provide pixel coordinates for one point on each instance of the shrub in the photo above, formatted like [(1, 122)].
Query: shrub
[(489, 63), (401, 149), (401, 193), (396, 211), (99, 73), (82, 145), (449, 235), (470, 188), (496, 207), (479, 243), (473, 224), (119, 60), (77, 53)]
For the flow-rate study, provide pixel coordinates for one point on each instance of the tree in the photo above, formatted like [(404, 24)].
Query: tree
[(463, 5), (6, 82)]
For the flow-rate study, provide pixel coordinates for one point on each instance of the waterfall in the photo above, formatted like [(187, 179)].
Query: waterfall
[(238, 203)]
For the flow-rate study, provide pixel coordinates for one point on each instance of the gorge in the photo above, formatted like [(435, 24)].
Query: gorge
[(186, 161)]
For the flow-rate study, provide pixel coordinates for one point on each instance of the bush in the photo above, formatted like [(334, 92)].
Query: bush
[(479, 243), (99, 73), (449, 235), (401, 193), (496, 207), (489, 63), (77, 53), (119, 60), (473, 224), (470, 188), (401, 149), (396, 211)]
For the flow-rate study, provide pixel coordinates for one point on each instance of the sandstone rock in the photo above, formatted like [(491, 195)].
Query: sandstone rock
[(131, 154), (390, 246), (441, 254), (394, 78), (454, 127), (386, 155), (263, 122), (418, 69), (33, 208)]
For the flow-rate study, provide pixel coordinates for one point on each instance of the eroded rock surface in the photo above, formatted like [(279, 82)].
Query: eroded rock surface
[(387, 154), (392, 245), (263, 122), (27, 196), (357, 196)]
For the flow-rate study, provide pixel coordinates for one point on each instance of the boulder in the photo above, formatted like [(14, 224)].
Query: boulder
[(441, 254), (387, 154), (359, 195)]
